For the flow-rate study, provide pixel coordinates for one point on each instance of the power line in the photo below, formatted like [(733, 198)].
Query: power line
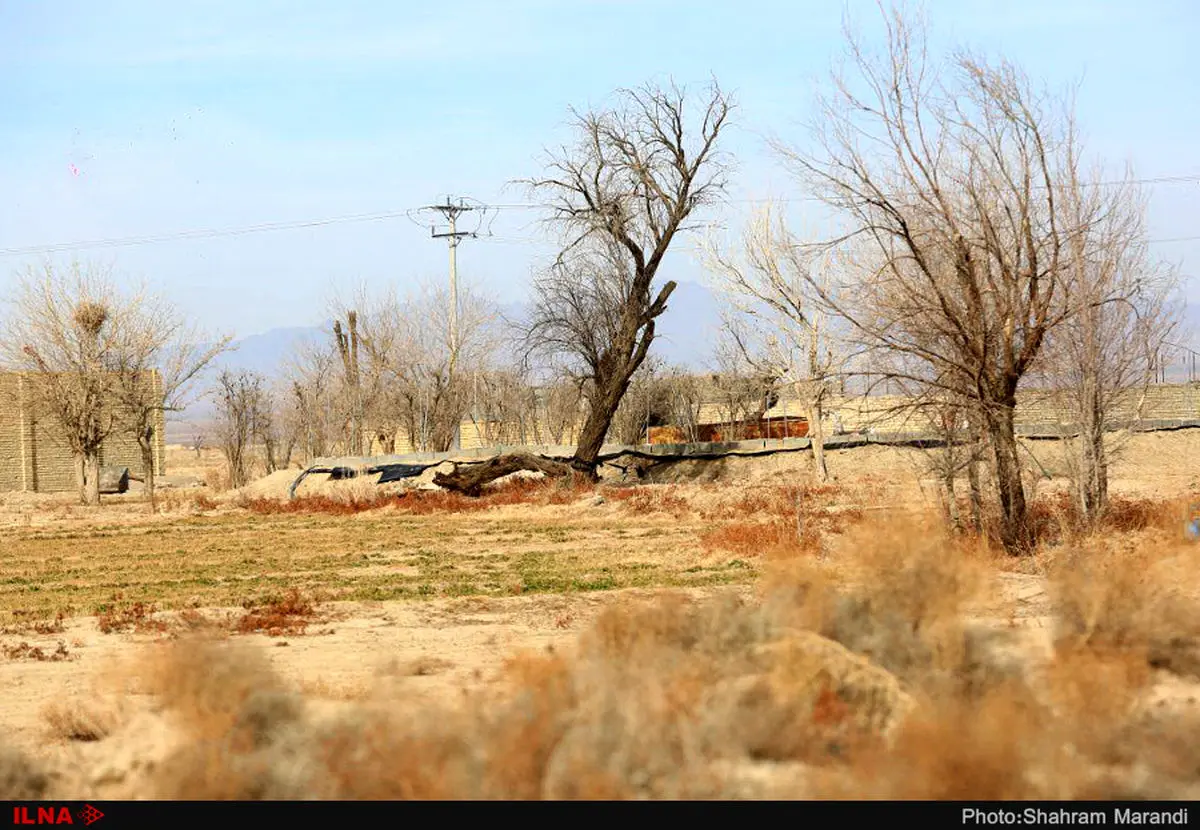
[(117, 242)]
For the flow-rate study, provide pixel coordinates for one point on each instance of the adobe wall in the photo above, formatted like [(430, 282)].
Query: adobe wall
[(34, 457)]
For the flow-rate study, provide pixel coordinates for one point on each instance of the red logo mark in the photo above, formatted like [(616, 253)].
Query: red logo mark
[(55, 815)]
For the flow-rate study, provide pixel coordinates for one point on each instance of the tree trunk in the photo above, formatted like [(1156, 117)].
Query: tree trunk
[(1093, 462), (146, 445), (816, 436), (976, 489), (951, 497), (89, 465), (470, 480), (1014, 527), (595, 428), (80, 476)]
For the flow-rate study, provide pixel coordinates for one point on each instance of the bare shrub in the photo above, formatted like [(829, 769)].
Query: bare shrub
[(650, 499), (1133, 595), (25, 651), (771, 540), (137, 617), (21, 779), (290, 613), (82, 719)]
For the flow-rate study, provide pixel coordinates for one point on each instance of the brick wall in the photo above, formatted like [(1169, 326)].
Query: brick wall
[(33, 456)]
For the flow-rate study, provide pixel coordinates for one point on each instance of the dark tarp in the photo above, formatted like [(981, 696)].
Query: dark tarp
[(396, 472)]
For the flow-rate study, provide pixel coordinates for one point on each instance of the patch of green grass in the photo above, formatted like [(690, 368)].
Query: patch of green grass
[(224, 558)]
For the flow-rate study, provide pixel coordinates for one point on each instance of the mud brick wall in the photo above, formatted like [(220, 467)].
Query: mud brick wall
[(35, 458)]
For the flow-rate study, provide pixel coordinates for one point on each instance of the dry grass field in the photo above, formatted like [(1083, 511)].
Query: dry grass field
[(727, 630)]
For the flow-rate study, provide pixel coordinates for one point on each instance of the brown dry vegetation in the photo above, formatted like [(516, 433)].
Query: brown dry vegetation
[(864, 654), (869, 680)]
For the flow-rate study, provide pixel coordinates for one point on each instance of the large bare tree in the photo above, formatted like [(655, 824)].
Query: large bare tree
[(619, 196), (948, 178)]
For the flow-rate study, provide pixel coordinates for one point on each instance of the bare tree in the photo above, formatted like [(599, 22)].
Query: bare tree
[(1099, 362), (432, 374), (101, 361), (620, 196), (240, 402), (559, 406), (954, 258), (314, 400), (347, 347), (503, 406), (685, 401), (62, 329), (645, 404), (158, 366), (778, 322), (272, 430), (744, 392)]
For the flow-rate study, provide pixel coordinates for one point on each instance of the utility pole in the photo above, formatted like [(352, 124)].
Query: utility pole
[(451, 210)]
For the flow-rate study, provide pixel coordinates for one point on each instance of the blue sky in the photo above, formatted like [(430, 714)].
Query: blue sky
[(181, 116)]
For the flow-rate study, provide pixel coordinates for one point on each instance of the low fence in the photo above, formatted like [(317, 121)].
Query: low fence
[(408, 465)]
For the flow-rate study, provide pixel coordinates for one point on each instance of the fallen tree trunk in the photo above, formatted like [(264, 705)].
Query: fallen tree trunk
[(470, 480)]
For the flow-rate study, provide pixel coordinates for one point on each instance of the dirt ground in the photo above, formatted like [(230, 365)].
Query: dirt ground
[(413, 607)]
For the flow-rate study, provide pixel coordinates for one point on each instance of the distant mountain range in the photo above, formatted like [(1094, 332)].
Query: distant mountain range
[(686, 333)]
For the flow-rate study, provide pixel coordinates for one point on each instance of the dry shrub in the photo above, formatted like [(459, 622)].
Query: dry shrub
[(21, 778), (787, 502), (1056, 518), (1136, 595), (82, 719), (208, 683), (172, 501), (657, 692), (287, 614), (202, 501), (233, 707), (781, 522), (25, 651), (1091, 693), (771, 540), (906, 589), (349, 501), (649, 498), (137, 617), (996, 747), (57, 625), (1076, 733), (216, 479)]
